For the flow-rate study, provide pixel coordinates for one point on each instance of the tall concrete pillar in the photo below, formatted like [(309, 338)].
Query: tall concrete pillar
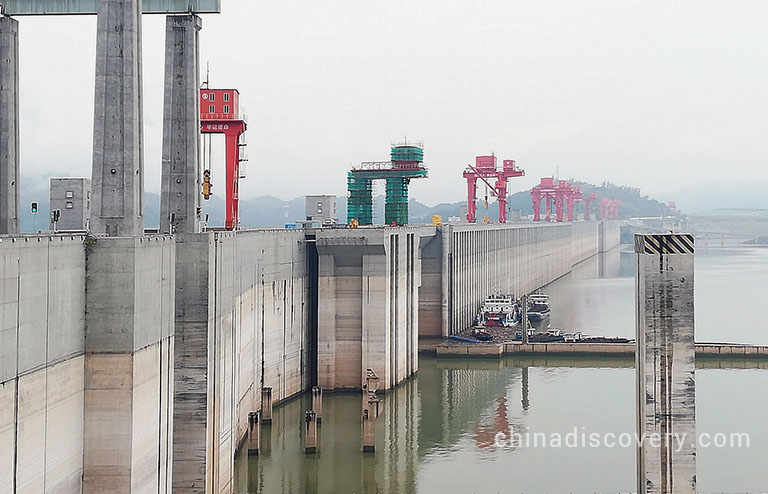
[(666, 389), (9, 125), (180, 195), (118, 151)]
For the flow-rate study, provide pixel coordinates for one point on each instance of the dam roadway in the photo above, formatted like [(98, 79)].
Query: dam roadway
[(130, 364)]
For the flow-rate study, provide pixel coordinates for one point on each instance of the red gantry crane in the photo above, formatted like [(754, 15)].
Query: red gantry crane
[(563, 196), (220, 114), (485, 169), (609, 209), (545, 190)]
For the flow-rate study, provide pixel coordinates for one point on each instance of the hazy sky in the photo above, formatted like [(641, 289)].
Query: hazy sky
[(656, 94)]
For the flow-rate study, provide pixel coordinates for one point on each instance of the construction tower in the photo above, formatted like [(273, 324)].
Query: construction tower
[(406, 162)]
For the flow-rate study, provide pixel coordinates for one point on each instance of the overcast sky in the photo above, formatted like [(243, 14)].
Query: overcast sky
[(655, 94)]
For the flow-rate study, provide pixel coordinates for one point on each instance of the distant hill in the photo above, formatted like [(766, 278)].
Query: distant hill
[(726, 194), (268, 211)]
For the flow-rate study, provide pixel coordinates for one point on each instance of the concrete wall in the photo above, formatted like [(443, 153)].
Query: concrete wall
[(368, 314), (128, 361), (469, 262), (609, 235), (42, 314), (241, 319)]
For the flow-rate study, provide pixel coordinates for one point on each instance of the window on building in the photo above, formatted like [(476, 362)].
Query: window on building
[(212, 97), (70, 194), (226, 96), (70, 204), (211, 109), (226, 108)]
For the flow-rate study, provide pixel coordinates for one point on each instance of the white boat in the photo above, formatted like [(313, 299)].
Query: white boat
[(500, 310)]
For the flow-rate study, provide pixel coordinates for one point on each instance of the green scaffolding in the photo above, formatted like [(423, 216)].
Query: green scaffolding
[(360, 199), (407, 154), (396, 207)]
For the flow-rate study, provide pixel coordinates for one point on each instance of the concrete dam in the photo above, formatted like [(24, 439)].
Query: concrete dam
[(130, 364)]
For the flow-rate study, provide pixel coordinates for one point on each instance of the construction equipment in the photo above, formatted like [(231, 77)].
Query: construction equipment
[(220, 114), (407, 162), (486, 170)]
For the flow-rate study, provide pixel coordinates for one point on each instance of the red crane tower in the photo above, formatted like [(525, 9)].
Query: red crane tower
[(587, 201), (220, 114), (485, 169), (574, 196), (609, 209), (545, 190)]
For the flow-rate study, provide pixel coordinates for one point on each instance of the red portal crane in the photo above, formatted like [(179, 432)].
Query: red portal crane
[(546, 190), (220, 114), (609, 209), (571, 198), (587, 200), (485, 169)]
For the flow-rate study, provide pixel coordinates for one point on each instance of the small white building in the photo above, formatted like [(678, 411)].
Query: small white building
[(322, 209)]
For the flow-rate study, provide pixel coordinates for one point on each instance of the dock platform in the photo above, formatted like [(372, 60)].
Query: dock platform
[(448, 348)]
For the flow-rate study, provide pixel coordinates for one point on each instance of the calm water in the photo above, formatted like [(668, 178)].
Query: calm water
[(436, 433)]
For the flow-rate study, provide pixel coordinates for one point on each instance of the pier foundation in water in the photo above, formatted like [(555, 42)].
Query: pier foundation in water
[(665, 367)]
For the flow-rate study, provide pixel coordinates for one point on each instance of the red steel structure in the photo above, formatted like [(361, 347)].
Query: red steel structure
[(546, 190), (563, 196), (220, 114), (587, 200), (486, 170), (609, 209)]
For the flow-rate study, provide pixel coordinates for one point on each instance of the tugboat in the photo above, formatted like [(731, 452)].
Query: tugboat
[(538, 307), (498, 311)]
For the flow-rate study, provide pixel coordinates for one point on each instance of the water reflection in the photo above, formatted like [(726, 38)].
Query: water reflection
[(436, 432)]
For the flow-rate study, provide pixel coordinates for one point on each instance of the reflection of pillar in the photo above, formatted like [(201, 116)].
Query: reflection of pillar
[(525, 402), (118, 143), (666, 390), (317, 403), (266, 405), (369, 431), (310, 432), (180, 197), (253, 433), (9, 126)]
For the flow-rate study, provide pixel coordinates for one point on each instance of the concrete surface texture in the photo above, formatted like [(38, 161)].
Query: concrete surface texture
[(180, 197), (42, 314), (118, 148), (9, 126), (368, 283), (73, 197), (128, 360), (665, 364), (241, 312)]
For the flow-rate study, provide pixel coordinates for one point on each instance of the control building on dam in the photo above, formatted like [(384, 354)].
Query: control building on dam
[(130, 364)]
